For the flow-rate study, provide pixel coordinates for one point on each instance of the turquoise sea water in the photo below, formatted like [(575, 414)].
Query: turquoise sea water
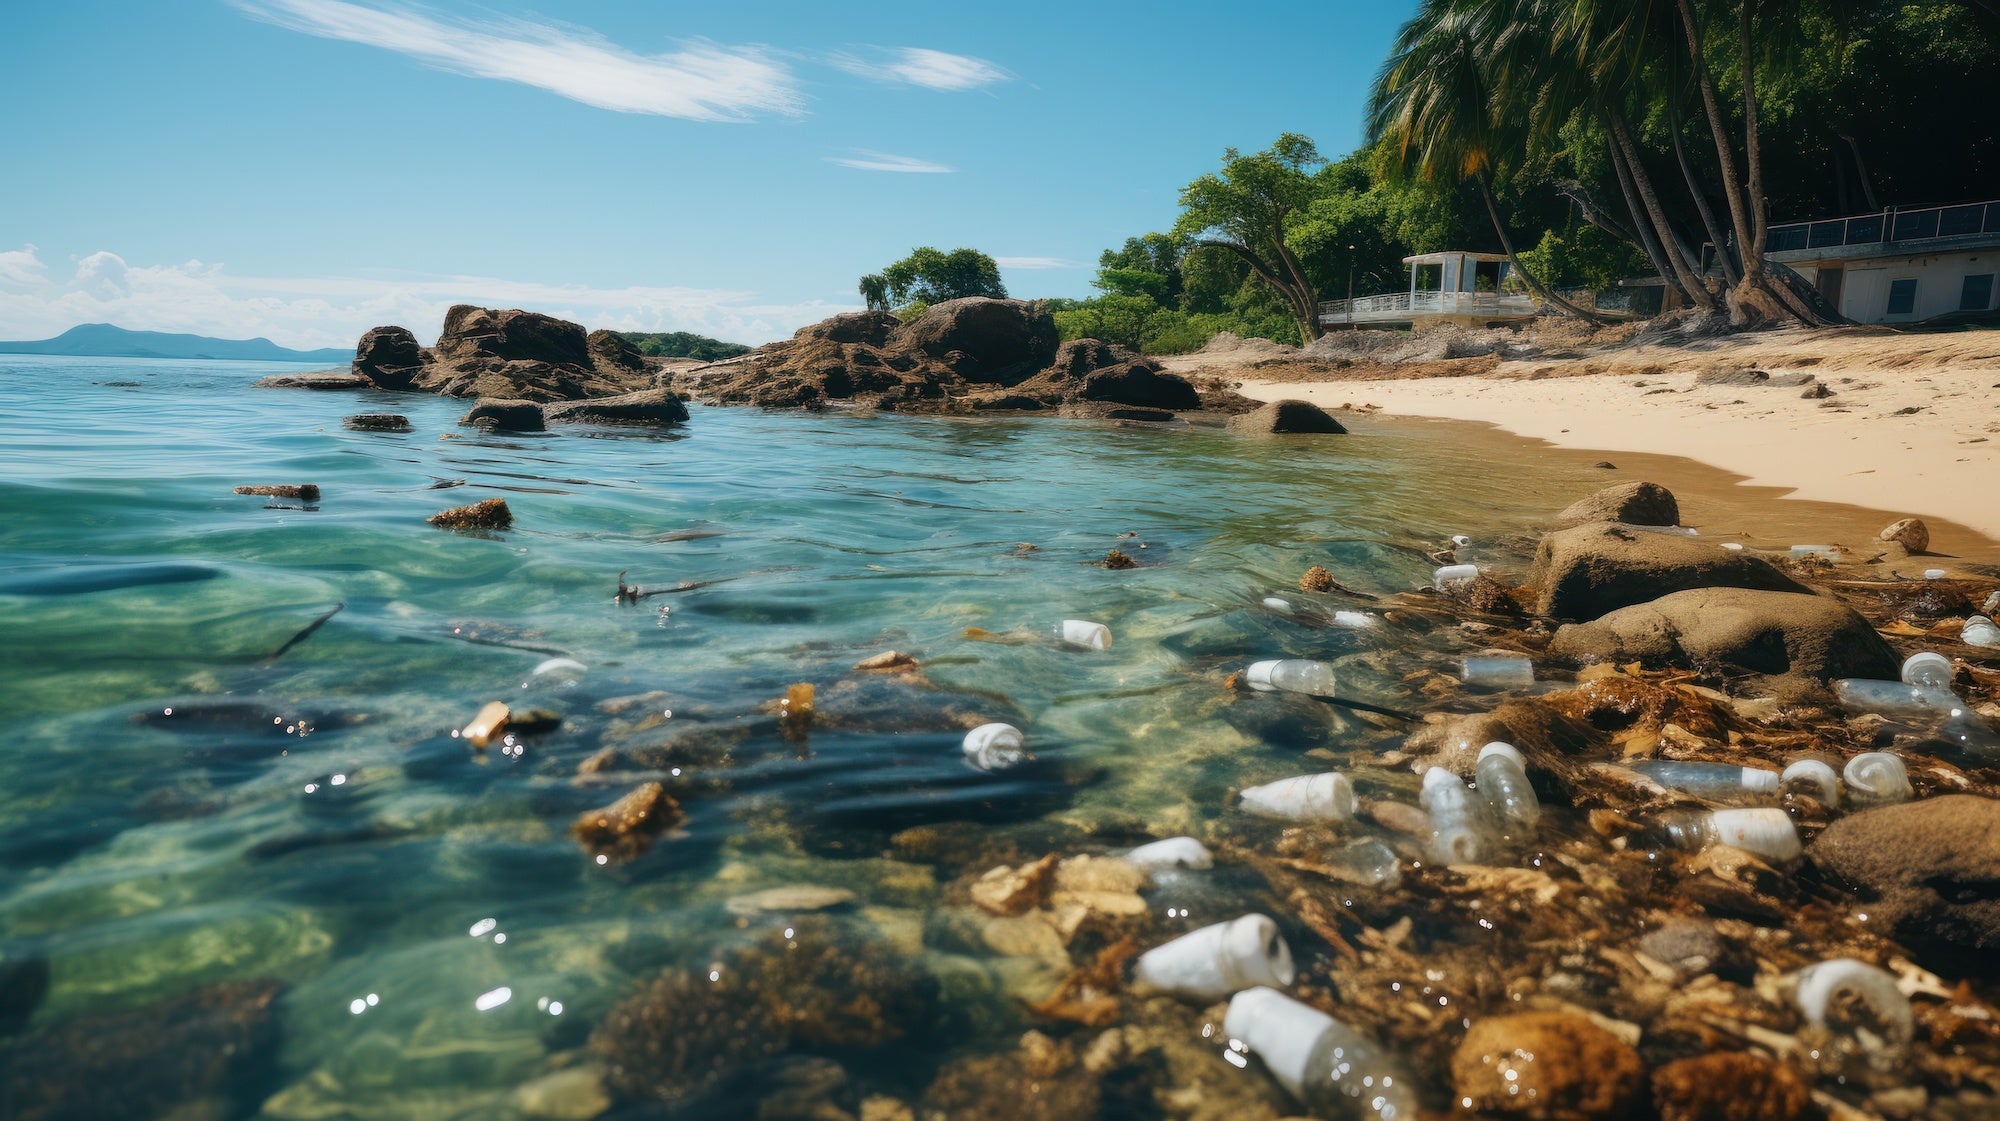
[(310, 820)]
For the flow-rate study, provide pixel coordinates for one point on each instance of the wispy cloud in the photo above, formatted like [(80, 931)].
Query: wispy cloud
[(704, 82), (1038, 263), (917, 66), (307, 312), (882, 161)]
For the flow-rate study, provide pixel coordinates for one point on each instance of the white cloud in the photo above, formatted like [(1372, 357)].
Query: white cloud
[(882, 161), (309, 312), (1039, 263), (704, 82), (917, 66)]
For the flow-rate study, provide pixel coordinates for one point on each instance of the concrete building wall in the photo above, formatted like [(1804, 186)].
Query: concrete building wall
[(1908, 289)]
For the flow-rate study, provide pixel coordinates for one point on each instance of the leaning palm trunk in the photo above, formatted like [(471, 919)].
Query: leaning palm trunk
[(1647, 240), (1535, 285), (1729, 268), (1669, 245), (1725, 153)]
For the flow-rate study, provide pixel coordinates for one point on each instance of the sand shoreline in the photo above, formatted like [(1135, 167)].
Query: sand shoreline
[(1912, 427)]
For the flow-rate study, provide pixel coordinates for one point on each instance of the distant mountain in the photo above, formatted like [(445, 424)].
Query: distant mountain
[(102, 340)]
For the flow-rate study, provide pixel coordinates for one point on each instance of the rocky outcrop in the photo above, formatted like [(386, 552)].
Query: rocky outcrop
[(1286, 416), (1631, 503), (961, 356), (1591, 570), (510, 416), (1773, 633), (1928, 868), (388, 357), (647, 406), (321, 381)]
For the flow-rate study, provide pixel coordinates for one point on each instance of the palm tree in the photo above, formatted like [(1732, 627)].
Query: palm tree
[(1433, 103)]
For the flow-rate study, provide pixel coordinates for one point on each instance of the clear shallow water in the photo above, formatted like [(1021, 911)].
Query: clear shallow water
[(143, 855)]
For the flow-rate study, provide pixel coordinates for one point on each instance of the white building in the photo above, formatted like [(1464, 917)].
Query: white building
[(1469, 293), (1899, 266)]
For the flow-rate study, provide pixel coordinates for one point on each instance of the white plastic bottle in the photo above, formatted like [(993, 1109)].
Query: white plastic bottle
[(1766, 832), (1461, 832), (1084, 633), (1503, 781), (1291, 675), (1211, 963), (1454, 574), (1326, 796), (1172, 853), (994, 747), (1332, 1070)]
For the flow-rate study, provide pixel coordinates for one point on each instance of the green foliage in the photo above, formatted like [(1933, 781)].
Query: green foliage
[(1583, 256), (682, 344), (929, 276), (910, 311)]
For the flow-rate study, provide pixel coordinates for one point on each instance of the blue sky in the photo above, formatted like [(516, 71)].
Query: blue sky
[(305, 169)]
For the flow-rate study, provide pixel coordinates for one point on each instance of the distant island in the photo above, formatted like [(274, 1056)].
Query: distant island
[(682, 344), (103, 340)]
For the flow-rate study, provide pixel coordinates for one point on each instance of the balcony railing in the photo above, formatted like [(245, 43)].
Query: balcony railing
[(1402, 305), (1889, 225)]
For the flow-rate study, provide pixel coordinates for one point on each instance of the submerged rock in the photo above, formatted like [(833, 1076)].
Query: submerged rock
[(303, 492), (626, 828), (1731, 1086), (328, 380), (513, 416), (1591, 570), (1927, 869), (646, 406), (489, 514), (1773, 633), (1632, 503), (377, 422), (1289, 415), (1547, 1065)]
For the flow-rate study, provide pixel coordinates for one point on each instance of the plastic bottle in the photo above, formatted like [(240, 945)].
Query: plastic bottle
[(1367, 861), (1281, 606), (1928, 671), (1291, 675), (1461, 831), (1174, 852), (994, 747), (1355, 619), (1454, 574), (1813, 778), (1894, 698), (1877, 778), (1934, 573), (1980, 631), (1733, 546), (1821, 983), (1215, 961), (1460, 540), (1332, 1070), (1718, 782), (1499, 670), (1084, 633), (1322, 797), (1503, 781), (1765, 832)]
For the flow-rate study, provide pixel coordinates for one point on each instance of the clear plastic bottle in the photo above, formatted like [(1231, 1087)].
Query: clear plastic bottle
[(1503, 781), (1928, 671), (1461, 830), (1717, 782), (1766, 832), (1291, 675), (1980, 631), (1454, 574), (1893, 698), (1498, 670), (1332, 1070), (1368, 861)]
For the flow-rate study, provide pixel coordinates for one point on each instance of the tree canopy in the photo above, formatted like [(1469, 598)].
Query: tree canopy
[(928, 276)]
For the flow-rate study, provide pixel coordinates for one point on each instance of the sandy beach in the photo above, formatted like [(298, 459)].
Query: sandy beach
[(1910, 424)]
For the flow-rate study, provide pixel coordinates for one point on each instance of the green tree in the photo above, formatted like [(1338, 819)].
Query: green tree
[(928, 276), (1245, 211)]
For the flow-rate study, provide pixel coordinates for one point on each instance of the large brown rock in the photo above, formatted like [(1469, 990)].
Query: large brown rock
[(1928, 871), (1286, 416), (473, 333), (1732, 1086), (1554, 1065), (1003, 342), (871, 328), (1774, 633), (388, 357), (1591, 570), (609, 350), (1140, 383), (1910, 533), (513, 416), (648, 406), (1633, 503)]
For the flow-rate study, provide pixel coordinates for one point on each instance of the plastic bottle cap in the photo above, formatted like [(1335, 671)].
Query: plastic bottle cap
[(1506, 749), (1460, 540), (1926, 658)]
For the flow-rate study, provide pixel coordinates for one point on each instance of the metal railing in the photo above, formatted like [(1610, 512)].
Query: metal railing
[(1890, 225), (1403, 304)]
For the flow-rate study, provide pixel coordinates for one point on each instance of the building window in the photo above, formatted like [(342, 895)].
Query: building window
[(1902, 297), (1977, 293)]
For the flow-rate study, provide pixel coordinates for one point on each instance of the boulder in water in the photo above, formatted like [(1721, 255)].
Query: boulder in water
[(513, 416), (647, 406), (1001, 342), (1593, 569), (490, 514), (1286, 416), (388, 357), (1926, 868), (1631, 503), (1766, 632)]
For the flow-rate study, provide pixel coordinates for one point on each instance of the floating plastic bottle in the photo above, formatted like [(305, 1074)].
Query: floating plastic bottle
[(1503, 782), (1980, 631), (1084, 633), (1215, 961), (1934, 573), (1282, 606), (1498, 670), (1291, 675), (1354, 619), (1766, 832), (1322, 797), (1331, 1069), (1822, 983), (995, 747), (1814, 778), (1928, 671), (1454, 574), (1172, 853), (1717, 782), (1461, 831), (1877, 778)]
